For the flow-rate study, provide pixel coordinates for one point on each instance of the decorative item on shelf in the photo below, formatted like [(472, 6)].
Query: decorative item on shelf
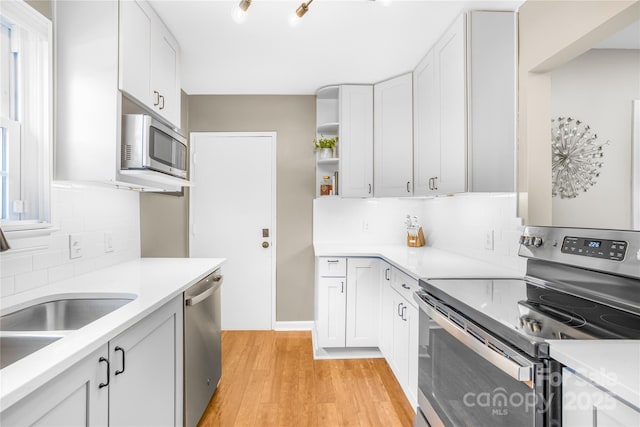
[(415, 235), (576, 157), (326, 186), (324, 147)]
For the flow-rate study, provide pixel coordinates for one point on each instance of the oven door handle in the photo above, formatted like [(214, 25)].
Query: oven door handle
[(509, 367)]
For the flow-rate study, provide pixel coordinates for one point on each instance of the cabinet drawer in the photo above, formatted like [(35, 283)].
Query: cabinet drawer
[(332, 267), (404, 284)]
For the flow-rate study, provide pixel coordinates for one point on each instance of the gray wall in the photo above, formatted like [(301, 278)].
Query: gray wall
[(164, 218), (293, 118)]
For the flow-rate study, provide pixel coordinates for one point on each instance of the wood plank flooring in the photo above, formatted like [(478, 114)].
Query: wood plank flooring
[(269, 378)]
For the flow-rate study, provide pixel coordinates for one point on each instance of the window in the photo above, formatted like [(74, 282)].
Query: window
[(25, 117)]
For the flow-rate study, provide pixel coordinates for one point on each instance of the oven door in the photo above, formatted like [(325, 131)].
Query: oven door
[(468, 379)]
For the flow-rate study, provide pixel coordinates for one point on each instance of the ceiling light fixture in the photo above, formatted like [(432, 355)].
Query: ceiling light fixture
[(240, 14), (299, 13), (303, 8)]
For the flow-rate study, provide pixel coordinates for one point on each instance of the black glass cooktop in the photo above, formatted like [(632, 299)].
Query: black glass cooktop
[(525, 314)]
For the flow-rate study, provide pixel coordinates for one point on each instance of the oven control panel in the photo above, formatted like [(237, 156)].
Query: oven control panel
[(614, 250)]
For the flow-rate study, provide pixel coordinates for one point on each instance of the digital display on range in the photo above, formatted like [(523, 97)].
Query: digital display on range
[(607, 249)]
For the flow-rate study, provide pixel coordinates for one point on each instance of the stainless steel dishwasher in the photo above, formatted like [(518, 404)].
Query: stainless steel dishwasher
[(202, 346)]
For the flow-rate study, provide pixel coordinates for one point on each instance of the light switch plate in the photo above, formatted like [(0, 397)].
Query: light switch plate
[(75, 246)]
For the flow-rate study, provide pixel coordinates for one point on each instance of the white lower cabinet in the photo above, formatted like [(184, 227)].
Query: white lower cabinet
[(347, 306), (135, 379), (404, 354), (386, 312), (585, 405), (146, 364), (73, 398)]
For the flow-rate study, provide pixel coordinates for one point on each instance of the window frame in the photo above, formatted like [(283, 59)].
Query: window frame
[(34, 109)]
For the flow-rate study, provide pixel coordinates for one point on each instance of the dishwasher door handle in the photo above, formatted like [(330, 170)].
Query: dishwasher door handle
[(217, 280)]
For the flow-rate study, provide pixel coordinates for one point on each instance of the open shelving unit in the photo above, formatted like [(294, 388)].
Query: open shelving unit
[(328, 125)]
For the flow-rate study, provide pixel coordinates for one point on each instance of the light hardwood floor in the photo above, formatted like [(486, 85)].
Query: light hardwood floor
[(270, 379)]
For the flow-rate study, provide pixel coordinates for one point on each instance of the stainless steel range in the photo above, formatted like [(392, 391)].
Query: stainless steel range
[(484, 350)]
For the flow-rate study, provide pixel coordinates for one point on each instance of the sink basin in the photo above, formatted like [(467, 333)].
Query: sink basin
[(60, 315), (14, 348)]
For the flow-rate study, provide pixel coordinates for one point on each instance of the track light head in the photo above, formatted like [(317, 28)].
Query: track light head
[(303, 8), (244, 5)]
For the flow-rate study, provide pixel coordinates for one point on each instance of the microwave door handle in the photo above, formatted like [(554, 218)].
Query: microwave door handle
[(509, 367)]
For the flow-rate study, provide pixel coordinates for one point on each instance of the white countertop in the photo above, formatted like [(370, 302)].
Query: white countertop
[(423, 262), (611, 364), (153, 281)]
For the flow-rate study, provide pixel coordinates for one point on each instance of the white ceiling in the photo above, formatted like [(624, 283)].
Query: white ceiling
[(360, 41)]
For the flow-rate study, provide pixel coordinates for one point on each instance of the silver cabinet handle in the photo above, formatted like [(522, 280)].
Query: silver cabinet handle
[(431, 184), (162, 99), (508, 366), (157, 98), (404, 285), (402, 314), (399, 309), (333, 261), (121, 371), (342, 287), (386, 274), (435, 183), (369, 188), (408, 183)]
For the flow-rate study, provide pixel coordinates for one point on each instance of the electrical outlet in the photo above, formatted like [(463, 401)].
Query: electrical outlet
[(488, 240), (75, 246), (108, 241)]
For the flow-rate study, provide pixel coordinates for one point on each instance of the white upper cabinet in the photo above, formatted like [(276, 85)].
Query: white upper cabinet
[(464, 108), (149, 61), (393, 137), (356, 140), (450, 73), (426, 127)]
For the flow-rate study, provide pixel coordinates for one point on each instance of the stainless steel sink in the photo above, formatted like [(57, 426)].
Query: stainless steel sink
[(15, 347), (60, 315), (28, 330)]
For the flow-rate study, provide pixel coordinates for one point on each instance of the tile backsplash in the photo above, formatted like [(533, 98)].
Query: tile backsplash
[(457, 224), (92, 214)]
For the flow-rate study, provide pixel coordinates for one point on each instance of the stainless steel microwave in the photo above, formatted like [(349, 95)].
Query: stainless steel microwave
[(151, 145)]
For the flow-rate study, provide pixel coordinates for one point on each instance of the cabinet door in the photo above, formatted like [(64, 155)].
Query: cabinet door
[(584, 405), (451, 76), (165, 77), (135, 50), (411, 314), (393, 137), (73, 398), (331, 307), (426, 125), (400, 365), (146, 370), (386, 312), (363, 302), (356, 141)]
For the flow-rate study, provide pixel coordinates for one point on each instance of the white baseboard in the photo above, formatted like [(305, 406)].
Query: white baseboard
[(304, 325), (320, 353)]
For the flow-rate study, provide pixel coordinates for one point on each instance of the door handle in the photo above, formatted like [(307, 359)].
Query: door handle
[(265, 245), (105, 360), (121, 371)]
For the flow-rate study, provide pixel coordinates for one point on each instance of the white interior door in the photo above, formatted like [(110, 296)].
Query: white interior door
[(232, 216)]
